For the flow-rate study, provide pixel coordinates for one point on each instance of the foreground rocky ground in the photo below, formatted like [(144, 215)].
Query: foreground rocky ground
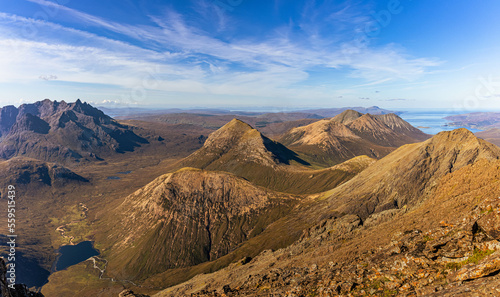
[(451, 260)]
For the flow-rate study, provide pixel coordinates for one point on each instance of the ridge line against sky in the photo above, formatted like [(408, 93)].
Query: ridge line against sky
[(221, 53)]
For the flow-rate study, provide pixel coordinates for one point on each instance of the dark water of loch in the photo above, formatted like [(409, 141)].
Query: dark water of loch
[(70, 255)]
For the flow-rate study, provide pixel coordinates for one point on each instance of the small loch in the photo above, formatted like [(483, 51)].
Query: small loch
[(70, 255)]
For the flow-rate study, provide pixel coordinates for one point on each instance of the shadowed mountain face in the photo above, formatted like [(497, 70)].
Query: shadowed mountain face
[(189, 217), (60, 131), (350, 134), (37, 179), (24, 171)]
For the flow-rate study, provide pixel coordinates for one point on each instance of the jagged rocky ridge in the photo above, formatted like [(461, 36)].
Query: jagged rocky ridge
[(59, 131), (349, 134)]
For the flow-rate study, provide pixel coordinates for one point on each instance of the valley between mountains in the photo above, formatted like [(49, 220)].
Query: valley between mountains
[(312, 203)]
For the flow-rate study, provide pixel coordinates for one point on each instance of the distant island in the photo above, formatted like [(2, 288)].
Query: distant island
[(476, 120)]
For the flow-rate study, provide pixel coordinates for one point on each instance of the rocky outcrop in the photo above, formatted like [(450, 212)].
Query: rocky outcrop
[(19, 290), (130, 293), (490, 224)]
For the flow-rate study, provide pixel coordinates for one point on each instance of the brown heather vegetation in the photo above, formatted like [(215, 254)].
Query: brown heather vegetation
[(236, 213)]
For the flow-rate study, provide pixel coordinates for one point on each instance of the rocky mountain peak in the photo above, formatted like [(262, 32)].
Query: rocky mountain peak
[(367, 122), (237, 124), (323, 133), (238, 142), (71, 132), (458, 148), (393, 120), (347, 116), (230, 135)]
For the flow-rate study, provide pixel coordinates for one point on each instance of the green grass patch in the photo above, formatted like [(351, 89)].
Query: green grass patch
[(475, 258)]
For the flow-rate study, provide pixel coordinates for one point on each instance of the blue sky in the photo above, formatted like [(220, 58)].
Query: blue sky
[(252, 53)]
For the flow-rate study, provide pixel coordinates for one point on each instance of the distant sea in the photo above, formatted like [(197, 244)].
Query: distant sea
[(431, 121)]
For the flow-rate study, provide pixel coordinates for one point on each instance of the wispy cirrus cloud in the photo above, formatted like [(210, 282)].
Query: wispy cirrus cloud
[(188, 58)]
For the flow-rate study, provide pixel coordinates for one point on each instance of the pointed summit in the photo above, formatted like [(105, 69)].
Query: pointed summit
[(230, 135), (458, 148), (237, 124), (457, 135), (238, 141), (347, 116)]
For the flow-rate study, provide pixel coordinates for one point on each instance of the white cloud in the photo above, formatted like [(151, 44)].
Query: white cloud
[(48, 77), (188, 59)]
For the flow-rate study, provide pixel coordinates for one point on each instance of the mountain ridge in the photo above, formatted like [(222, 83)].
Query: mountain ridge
[(350, 134), (242, 150), (63, 132), (418, 167)]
